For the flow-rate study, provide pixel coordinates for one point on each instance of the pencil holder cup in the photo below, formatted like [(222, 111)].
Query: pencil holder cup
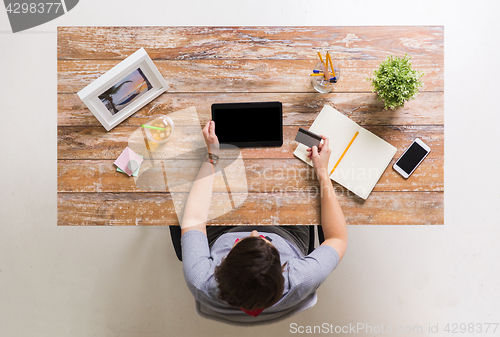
[(159, 129), (319, 83)]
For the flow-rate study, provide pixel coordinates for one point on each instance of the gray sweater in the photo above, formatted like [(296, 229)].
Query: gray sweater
[(303, 274)]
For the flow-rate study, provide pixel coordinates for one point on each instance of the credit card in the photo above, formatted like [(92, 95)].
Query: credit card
[(307, 138)]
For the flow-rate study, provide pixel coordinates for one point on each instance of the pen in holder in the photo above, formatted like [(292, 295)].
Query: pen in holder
[(325, 75)]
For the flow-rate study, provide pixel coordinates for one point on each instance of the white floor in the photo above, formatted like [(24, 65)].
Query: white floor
[(127, 282)]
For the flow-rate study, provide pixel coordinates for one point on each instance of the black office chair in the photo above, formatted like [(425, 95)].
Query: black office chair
[(321, 237), (175, 234)]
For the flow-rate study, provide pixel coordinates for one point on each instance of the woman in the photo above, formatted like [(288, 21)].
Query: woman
[(252, 269)]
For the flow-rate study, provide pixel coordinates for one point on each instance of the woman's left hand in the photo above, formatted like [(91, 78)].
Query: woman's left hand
[(210, 138)]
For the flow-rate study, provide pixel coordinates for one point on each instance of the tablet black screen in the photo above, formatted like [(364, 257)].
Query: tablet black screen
[(249, 124)]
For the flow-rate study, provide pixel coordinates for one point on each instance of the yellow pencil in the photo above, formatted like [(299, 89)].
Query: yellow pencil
[(321, 59), (327, 73), (324, 65), (345, 151), (329, 58)]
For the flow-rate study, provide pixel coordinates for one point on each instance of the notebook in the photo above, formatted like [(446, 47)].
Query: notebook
[(358, 156)]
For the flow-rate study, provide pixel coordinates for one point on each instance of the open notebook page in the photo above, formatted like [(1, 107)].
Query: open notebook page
[(364, 163), (337, 127)]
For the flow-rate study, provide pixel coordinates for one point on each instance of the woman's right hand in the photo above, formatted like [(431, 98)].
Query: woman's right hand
[(320, 156)]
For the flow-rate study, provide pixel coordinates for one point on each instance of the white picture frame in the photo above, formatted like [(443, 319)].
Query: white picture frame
[(124, 89)]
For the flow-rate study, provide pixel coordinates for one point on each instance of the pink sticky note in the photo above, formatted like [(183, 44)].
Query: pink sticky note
[(128, 161)]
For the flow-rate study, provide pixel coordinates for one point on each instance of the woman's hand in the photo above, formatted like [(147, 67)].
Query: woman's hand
[(210, 138), (320, 156)]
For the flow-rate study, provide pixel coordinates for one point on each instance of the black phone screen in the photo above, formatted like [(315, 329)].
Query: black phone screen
[(412, 157)]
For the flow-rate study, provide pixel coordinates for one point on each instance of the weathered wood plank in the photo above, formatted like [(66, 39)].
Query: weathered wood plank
[(298, 109), (183, 43), (381, 208), (76, 142), (101, 176), (272, 175), (246, 75)]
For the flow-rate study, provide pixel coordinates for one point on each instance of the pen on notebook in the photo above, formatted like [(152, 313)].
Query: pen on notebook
[(345, 151)]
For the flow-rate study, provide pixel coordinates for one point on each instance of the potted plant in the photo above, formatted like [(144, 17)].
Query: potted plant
[(395, 81)]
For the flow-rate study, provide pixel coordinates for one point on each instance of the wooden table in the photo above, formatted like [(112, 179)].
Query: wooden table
[(203, 65)]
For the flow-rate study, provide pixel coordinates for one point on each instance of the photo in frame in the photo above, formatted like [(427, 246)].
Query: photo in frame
[(124, 89)]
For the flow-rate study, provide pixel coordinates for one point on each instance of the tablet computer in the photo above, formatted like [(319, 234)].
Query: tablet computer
[(249, 124)]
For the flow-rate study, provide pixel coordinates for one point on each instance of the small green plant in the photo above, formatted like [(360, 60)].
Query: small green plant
[(395, 81)]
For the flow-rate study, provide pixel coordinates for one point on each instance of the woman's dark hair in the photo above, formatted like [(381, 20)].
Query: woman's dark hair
[(250, 277)]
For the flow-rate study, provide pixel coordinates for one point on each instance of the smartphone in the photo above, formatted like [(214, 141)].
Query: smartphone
[(411, 158)]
